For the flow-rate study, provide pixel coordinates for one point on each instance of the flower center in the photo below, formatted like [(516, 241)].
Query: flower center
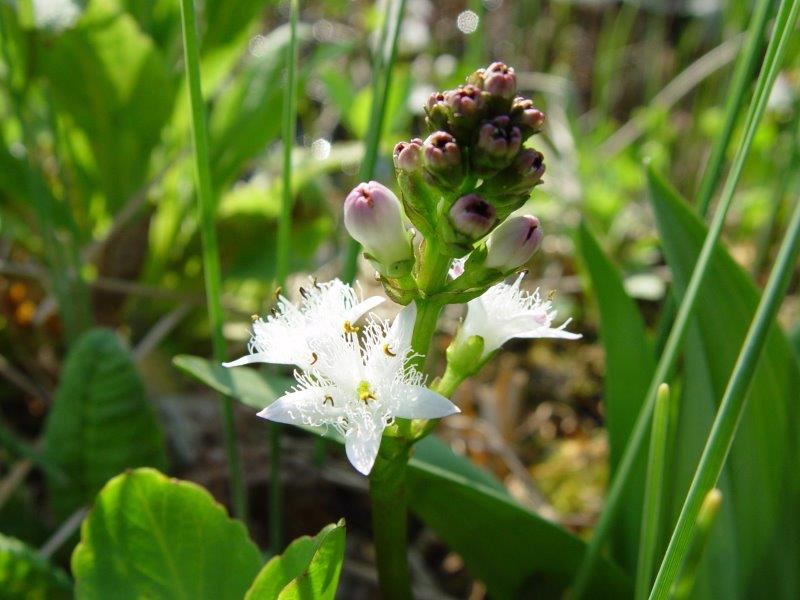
[(364, 393)]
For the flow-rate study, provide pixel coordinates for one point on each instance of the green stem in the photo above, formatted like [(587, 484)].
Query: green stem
[(289, 128), (654, 488), (766, 78), (382, 73), (211, 268), (387, 491), (734, 401)]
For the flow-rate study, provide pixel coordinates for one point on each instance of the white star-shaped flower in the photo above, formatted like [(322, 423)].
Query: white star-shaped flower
[(358, 385), (286, 336), (505, 312)]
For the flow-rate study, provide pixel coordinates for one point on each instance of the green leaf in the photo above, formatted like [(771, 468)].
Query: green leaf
[(516, 553), (149, 536), (764, 484), (248, 386), (100, 422), (543, 555), (308, 568), (124, 100), (630, 365), (24, 575)]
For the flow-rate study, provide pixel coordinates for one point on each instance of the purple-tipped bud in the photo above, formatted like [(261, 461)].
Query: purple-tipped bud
[(442, 159), (407, 156), (498, 142), (513, 243), (500, 80), (374, 218), (526, 116), (437, 111), (465, 101), (472, 216), (529, 166)]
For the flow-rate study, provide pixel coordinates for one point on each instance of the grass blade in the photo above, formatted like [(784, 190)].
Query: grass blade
[(383, 78), (653, 495), (766, 78), (702, 530), (211, 267), (733, 402)]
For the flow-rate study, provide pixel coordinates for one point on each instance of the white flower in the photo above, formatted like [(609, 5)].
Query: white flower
[(286, 337), (504, 312), (356, 385)]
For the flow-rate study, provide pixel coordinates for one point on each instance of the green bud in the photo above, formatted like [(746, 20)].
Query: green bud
[(464, 355)]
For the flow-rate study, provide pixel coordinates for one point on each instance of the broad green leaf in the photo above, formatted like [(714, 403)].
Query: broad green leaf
[(149, 536), (629, 365), (101, 421), (308, 568), (542, 557), (24, 575), (762, 467), (124, 99)]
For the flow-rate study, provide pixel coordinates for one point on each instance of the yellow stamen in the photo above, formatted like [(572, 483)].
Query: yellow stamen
[(327, 399), (387, 351), (364, 393), (350, 328), (314, 357)]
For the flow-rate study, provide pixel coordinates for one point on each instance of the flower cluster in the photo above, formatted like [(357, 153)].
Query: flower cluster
[(459, 188), (353, 378)]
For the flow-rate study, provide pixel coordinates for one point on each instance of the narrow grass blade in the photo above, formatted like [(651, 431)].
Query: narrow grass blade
[(769, 71), (742, 75), (383, 78), (732, 406), (702, 531), (211, 268), (289, 127), (653, 494)]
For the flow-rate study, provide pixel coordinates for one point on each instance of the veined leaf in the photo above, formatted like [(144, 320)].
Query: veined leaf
[(24, 575), (149, 536), (101, 422), (761, 470), (541, 556), (308, 568), (629, 368)]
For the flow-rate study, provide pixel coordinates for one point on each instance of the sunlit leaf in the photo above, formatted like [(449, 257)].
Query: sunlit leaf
[(149, 536)]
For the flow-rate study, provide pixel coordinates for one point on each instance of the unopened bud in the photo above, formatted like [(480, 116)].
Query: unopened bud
[(442, 158), (513, 243), (407, 156), (526, 116), (499, 80), (472, 216), (477, 78), (437, 111), (373, 217), (498, 142), (465, 101)]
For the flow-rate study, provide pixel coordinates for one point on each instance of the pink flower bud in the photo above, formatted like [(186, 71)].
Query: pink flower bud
[(529, 118), (529, 166), (472, 215), (407, 155), (437, 111), (373, 217), (498, 142), (441, 151), (499, 80), (465, 101), (513, 243)]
